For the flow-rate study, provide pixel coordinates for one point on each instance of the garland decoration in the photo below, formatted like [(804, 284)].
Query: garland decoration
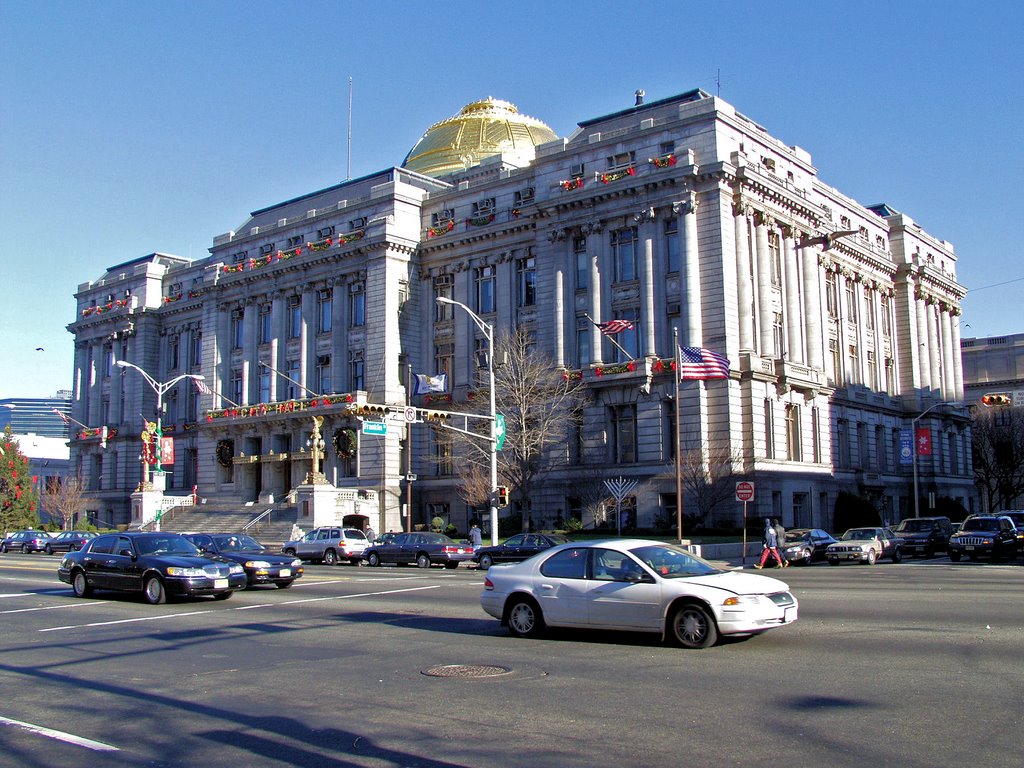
[(286, 406), (572, 375), (479, 221), (285, 255), (570, 184), (321, 245), (345, 443), (351, 237), (664, 366), (611, 369), (608, 178), (441, 229), (228, 269), (171, 299), (663, 162), (262, 261), (225, 452)]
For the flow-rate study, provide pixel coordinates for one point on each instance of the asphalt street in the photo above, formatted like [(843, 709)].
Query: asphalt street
[(917, 664)]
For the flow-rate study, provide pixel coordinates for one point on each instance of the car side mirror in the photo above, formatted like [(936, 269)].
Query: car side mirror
[(638, 578), (127, 553)]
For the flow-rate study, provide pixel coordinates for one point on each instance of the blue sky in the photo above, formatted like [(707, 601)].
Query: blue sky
[(133, 127)]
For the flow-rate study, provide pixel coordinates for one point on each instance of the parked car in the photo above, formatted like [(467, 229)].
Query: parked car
[(635, 585), (68, 541), (517, 548), (991, 536), (805, 545), (261, 565), (424, 549), (329, 545), (924, 535), (25, 542), (159, 565), (865, 545), (1017, 515)]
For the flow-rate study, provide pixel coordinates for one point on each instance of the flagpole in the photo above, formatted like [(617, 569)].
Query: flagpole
[(613, 341), (408, 455), (679, 442)]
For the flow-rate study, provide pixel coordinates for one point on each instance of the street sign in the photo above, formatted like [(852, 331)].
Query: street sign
[(375, 428), (410, 414), (744, 491), (499, 431)]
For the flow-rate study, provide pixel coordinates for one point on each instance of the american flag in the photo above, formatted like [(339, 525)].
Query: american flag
[(615, 326), (700, 363), (202, 387)]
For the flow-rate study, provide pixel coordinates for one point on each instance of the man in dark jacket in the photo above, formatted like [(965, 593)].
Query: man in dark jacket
[(780, 540)]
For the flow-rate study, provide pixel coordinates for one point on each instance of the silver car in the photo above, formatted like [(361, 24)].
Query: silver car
[(329, 545)]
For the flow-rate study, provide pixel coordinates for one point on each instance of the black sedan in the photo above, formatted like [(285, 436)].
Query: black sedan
[(805, 545), (68, 541), (424, 549), (517, 548), (160, 565), (262, 566)]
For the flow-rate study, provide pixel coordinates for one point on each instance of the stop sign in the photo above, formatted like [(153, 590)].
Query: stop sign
[(744, 491)]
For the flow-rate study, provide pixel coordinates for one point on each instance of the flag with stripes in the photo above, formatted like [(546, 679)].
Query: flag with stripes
[(700, 363), (202, 387), (615, 326)]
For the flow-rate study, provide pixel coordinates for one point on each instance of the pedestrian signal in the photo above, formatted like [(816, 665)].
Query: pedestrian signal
[(502, 495), (995, 400)]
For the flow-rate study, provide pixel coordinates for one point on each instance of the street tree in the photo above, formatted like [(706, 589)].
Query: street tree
[(19, 502), (707, 480), (65, 496), (997, 444)]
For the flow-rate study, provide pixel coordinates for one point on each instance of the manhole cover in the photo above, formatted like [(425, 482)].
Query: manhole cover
[(466, 670)]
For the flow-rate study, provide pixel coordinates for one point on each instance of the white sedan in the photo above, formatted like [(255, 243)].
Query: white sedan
[(634, 585)]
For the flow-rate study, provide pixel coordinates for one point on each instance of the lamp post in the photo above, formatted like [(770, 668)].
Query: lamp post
[(488, 331), (159, 388), (913, 429)]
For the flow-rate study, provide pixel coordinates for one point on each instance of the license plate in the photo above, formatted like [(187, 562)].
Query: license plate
[(286, 571), (220, 583), (969, 546), (853, 557), (788, 615)]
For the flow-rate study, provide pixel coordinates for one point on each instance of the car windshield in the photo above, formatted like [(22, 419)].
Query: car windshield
[(915, 526), (794, 536), (234, 543), (981, 524), (156, 544), (352, 533), (855, 534), (672, 562)]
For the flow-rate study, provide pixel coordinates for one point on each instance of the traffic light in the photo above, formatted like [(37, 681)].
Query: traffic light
[(432, 417), (993, 400), (373, 412), (502, 495)]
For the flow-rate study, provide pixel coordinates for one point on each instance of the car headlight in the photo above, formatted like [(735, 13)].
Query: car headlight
[(742, 600), (296, 563), (188, 573), (235, 568), (257, 564)]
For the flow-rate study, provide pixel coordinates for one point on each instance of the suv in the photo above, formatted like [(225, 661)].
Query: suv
[(1017, 515), (330, 545), (924, 535), (991, 536)]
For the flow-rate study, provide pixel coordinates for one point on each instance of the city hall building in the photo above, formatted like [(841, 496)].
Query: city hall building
[(680, 216)]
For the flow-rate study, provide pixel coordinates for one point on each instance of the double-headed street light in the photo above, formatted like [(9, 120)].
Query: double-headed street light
[(159, 388), (913, 430), (488, 331)]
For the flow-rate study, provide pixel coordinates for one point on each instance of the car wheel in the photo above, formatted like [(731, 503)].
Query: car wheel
[(524, 618), (224, 595), (24, 549), (423, 561), (694, 627), (80, 584), (954, 556), (330, 557), (872, 557), (3, 548), (929, 552), (897, 555), (290, 552), (284, 584), (805, 557), (374, 560), (48, 549), (154, 591), (486, 561)]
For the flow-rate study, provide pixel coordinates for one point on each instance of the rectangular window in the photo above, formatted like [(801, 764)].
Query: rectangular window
[(485, 290), (881, 459), (291, 386), (294, 317), (843, 444), (483, 207), (173, 343), (628, 341), (885, 312), (836, 358), (624, 254), (815, 436), (579, 250), (769, 429), (672, 258), (235, 385), (853, 365), (263, 379), (523, 196), (324, 310), (794, 448), (527, 273), (851, 301), (196, 353), (583, 334), (355, 370), (357, 304), (266, 325), (621, 160), (779, 334), (872, 379), (863, 449), (443, 288), (869, 311), (444, 354), (832, 295), (296, 240), (237, 328), (775, 258), (323, 375), (623, 433)]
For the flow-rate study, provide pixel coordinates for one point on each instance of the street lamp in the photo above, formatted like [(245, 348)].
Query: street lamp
[(913, 430), (159, 388), (488, 331)]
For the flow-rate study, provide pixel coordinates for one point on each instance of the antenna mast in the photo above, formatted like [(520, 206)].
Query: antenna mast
[(348, 169)]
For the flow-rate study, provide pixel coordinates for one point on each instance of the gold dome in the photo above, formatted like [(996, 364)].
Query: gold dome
[(481, 129)]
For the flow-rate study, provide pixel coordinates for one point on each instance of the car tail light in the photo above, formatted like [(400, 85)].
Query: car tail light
[(448, 549), (488, 584)]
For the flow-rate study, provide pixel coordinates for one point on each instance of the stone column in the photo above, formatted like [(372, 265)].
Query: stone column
[(307, 342), (278, 314), (558, 240), (646, 343), (794, 323), (948, 363), (595, 251), (691, 294), (222, 357), (250, 368), (958, 369), (744, 289), (766, 334), (813, 308), (339, 333), (934, 349), (922, 353)]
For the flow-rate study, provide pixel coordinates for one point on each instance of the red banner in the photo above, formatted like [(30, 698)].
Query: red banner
[(167, 450), (924, 441)]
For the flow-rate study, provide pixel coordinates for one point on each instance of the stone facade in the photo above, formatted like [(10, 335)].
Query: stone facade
[(681, 215)]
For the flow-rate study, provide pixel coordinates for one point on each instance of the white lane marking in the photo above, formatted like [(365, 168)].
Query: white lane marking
[(250, 607), (18, 594), (70, 738), (51, 607), (364, 594), (125, 621)]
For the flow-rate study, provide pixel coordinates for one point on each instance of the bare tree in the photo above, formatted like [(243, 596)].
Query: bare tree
[(997, 438), (541, 407), (707, 480), (66, 496)]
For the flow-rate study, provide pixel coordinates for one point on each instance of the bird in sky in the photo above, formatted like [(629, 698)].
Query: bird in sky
[(40, 349)]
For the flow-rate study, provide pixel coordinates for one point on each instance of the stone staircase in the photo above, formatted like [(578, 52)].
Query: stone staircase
[(272, 530)]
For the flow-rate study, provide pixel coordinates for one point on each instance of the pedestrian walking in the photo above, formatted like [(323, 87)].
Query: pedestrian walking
[(475, 537), (770, 544), (780, 541)]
